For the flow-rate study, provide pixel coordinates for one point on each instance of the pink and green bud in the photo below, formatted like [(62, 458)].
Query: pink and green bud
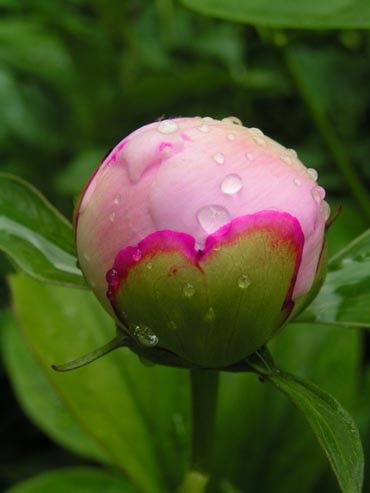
[(201, 237)]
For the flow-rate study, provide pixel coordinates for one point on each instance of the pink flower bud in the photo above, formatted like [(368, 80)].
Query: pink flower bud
[(200, 236)]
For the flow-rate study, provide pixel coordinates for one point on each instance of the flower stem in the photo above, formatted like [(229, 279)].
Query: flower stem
[(204, 390)]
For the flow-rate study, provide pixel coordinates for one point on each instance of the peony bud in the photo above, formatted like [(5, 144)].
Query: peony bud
[(200, 237)]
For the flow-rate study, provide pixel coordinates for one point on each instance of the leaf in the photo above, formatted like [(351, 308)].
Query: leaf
[(261, 427), (76, 479), (136, 414), (35, 235), (333, 427), (344, 298), (331, 14), (39, 399)]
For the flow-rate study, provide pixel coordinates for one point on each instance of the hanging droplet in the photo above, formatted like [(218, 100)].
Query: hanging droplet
[(318, 194), (136, 256), (327, 210), (189, 290), (112, 276), (145, 336), (233, 119), (243, 281), (231, 184), (212, 217), (256, 132), (313, 173), (219, 158), (167, 127), (117, 199), (112, 217)]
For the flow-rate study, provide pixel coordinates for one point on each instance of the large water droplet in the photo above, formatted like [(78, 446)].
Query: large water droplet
[(318, 194), (167, 127), (112, 276), (145, 336), (313, 173), (219, 158), (233, 119), (243, 281), (117, 199), (212, 217), (189, 290), (136, 256), (231, 184)]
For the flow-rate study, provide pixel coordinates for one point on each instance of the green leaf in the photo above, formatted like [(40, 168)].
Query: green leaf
[(35, 235), (138, 415), (77, 479), (333, 427), (331, 14), (261, 427), (39, 399), (344, 298)]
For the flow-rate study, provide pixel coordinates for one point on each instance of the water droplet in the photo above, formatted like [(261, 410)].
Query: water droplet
[(117, 199), (327, 210), (112, 217), (230, 137), (286, 159), (172, 325), (231, 184), (136, 256), (167, 127), (292, 152), (313, 173), (243, 281), (318, 194), (145, 336), (210, 315), (297, 182), (112, 275), (259, 141), (149, 266), (233, 119), (212, 217), (256, 132), (189, 290), (87, 257), (203, 128), (208, 119), (250, 156), (219, 158)]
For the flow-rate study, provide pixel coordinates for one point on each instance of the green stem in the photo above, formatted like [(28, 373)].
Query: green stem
[(330, 139), (204, 390)]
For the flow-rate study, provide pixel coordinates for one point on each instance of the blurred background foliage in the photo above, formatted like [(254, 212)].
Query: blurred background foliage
[(78, 75)]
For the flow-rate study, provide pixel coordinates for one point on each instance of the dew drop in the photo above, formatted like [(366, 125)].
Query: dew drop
[(208, 119), (112, 217), (286, 159), (117, 199), (256, 132), (297, 182), (112, 276), (210, 314), (231, 184), (219, 158), (136, 256), (203, 128), (313, 173), (87, 257), (212, 217), (189, 290), (167, 127), (145, 336), (318, 194), (243, 281), (293, 153), (259, 141), (172, 325), (250, 156), (233, 119), (230, 137), (149, 266)]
